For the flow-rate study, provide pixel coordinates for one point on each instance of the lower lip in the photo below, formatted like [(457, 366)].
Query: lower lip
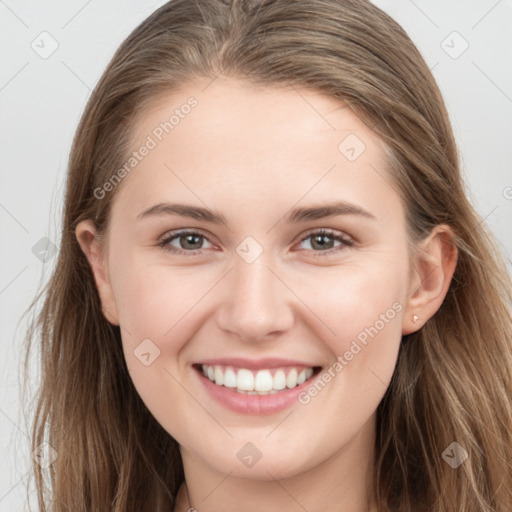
[(253, 404)]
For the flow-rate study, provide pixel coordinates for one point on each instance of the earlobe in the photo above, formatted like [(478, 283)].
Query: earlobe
[(94, 252), (435, 265)]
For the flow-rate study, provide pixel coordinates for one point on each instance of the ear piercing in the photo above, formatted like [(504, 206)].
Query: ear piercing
[(415, 318)]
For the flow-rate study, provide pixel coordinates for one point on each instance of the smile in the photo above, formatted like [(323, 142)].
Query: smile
[(261, 382)]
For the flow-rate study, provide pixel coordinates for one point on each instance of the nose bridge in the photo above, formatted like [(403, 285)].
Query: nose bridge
[(256, 302)]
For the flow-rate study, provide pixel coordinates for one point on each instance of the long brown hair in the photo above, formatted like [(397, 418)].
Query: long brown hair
[(452, 381)]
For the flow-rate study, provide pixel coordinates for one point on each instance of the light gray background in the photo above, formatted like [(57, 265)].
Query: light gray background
[(42, 99)]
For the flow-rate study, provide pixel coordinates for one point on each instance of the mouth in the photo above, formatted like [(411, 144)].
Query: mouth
[(263, 381)]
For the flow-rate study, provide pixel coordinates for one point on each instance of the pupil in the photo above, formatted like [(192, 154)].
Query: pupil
[(323, 244), (190, 238)]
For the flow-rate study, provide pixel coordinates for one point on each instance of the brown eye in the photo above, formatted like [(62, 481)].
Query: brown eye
[(184, 242), (323, 241)]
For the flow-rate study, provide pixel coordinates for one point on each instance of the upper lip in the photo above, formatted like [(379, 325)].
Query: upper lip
[(255, 364)]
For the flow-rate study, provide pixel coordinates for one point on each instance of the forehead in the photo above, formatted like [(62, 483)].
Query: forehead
[(242, 110), (232, 139)]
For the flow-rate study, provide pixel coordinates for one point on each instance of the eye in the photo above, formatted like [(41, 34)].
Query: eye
[(188, 242), (322, 242)]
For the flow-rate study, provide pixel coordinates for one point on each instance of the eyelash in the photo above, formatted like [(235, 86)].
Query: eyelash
[(347, 242)]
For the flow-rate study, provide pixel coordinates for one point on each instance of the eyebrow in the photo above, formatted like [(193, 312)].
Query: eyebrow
[(296, 215)]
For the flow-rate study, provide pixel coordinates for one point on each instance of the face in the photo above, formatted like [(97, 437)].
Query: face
[(255, 278)]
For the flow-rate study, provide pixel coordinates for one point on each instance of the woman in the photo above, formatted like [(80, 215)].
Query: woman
[(336, 336)]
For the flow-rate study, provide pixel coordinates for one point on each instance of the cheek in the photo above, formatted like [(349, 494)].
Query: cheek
[(361, 310), (153, 299), (157, 307), (160, 310), (350, 299)]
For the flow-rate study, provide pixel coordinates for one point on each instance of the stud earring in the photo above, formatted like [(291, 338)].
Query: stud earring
[(415, 318)]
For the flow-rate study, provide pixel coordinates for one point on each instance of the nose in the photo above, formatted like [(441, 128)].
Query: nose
[(256, 302)]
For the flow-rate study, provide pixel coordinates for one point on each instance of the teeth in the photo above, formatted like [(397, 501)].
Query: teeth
[(291, 380), (219, 376), (245, 380), (279, 380), (229, 378), (263, 381), (260, 383)]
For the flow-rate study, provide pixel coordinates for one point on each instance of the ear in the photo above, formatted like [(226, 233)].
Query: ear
[(96, 255), (436, 259)]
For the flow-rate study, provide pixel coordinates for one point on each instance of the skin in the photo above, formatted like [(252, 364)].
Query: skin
[(252, 154)]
